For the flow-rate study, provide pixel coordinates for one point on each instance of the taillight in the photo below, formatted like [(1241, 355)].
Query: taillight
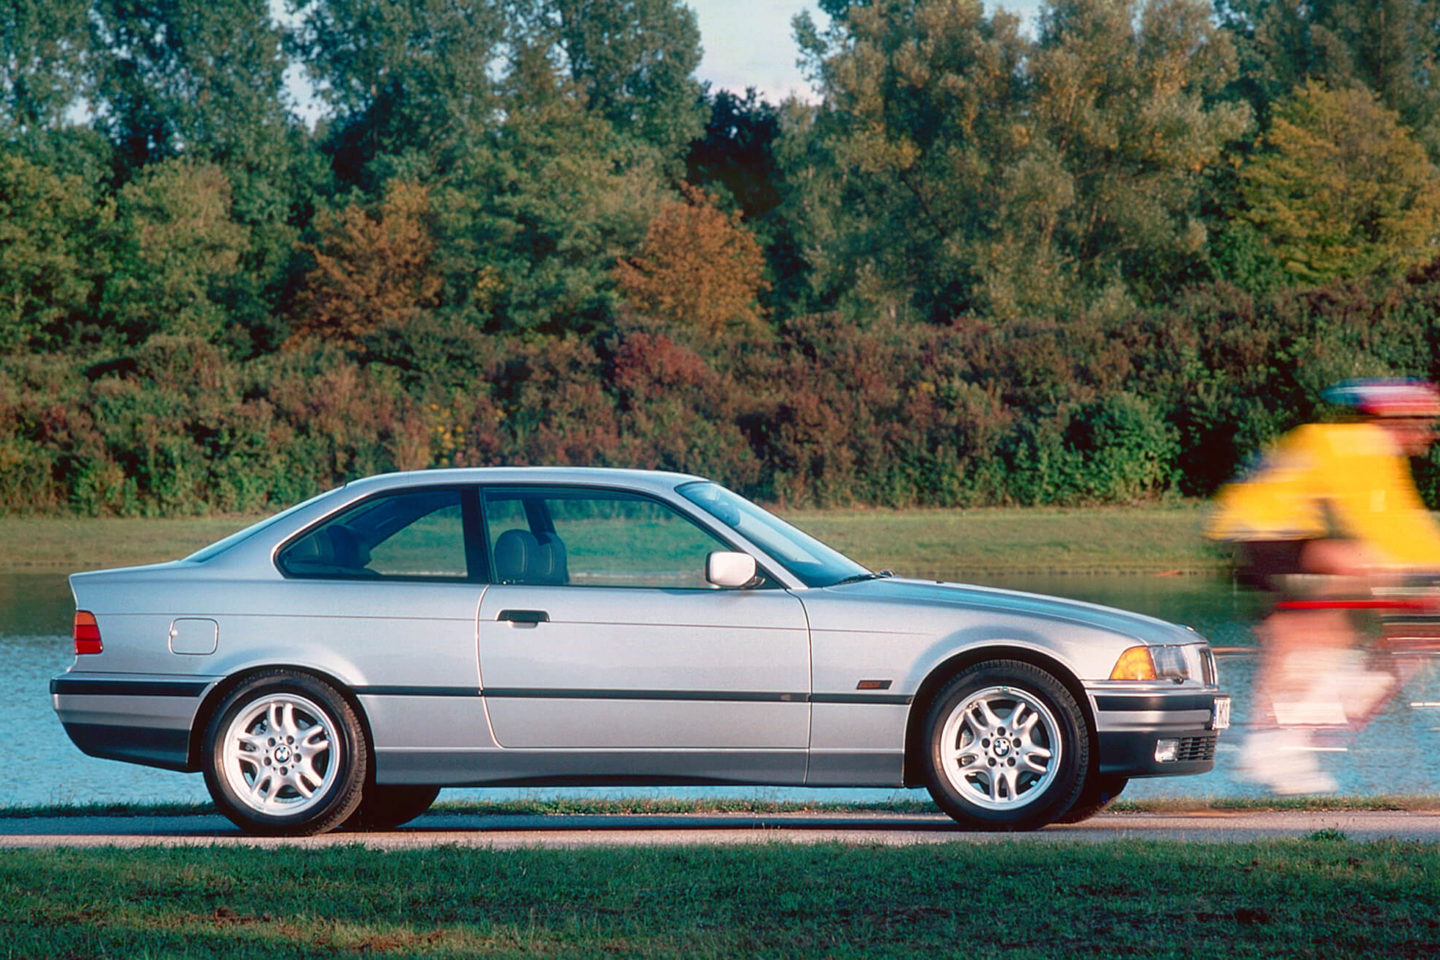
[(87, 633)]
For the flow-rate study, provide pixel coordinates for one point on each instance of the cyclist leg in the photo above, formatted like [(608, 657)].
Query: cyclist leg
[(1302, 656)]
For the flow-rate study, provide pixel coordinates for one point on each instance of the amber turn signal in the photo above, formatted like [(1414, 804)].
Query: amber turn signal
[(1134, 664)]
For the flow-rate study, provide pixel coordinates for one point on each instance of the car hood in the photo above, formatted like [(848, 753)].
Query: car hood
[(1014, 602)]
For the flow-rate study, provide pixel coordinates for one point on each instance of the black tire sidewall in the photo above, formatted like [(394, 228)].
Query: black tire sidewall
[(387, 806), (1099, 791), (1059, 795), (342, 796)]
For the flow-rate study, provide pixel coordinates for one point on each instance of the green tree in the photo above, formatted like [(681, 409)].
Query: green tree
[(1129, 104), (43, 69), (920, 109), (1386, 45), (738, 160), (403, 79), (974, 171), (176, 254), (634, 61), (51, 249), (735, 157), (531, 223), (204, 80), (47, 80), (545, 130), (1341, 188)]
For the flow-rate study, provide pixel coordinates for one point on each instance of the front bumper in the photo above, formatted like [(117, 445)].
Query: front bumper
[(144, 720), (1132, 723)]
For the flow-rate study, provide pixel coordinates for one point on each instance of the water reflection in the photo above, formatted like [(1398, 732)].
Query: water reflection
[(1393, 756)]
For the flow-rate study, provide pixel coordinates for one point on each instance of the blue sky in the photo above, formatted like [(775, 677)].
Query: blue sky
[(748, 43)]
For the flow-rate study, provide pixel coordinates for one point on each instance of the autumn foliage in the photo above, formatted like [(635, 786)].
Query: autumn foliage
[(372, 268), (699, 270)]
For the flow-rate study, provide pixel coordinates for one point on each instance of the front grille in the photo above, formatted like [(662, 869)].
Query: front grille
[(1196, 748)]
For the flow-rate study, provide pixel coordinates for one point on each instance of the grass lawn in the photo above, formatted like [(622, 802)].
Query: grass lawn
[(68, 544), (942, 543), (1144, 539), (1320, 897)]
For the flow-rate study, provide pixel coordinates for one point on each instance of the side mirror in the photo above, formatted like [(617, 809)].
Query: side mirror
[(726, 569)]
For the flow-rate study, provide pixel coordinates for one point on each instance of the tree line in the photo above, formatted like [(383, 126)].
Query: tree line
[(1102, 258)]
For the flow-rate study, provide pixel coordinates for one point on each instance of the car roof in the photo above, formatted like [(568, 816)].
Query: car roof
[(652, 480)]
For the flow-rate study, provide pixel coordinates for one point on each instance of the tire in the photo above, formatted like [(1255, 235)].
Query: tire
[(1099, 791), (1006, 747), (284, 755), (386, 806)]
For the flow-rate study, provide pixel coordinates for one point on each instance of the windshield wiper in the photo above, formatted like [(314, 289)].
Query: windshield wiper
[(867, 575)]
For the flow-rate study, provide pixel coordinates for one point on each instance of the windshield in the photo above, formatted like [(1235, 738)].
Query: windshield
[(239, 536), (813, 563)]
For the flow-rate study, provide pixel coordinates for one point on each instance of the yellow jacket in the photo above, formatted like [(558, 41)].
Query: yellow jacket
[(1332, 480)]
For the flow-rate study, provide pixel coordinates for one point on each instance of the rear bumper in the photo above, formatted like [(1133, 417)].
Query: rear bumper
[(144, 720), (1133, 724)]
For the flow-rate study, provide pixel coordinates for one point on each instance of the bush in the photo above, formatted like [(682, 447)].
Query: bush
[(1110, 408)]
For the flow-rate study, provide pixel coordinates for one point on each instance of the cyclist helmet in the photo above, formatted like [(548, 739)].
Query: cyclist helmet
[(1386, 398)]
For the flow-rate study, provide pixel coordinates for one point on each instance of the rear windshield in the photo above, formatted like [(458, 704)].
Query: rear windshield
[(240, 536)]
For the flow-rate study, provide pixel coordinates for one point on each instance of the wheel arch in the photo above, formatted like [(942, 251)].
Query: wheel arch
[(934, 682), (217, 694)]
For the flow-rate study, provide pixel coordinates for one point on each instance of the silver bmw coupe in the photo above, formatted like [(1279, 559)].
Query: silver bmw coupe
[(340, 662)]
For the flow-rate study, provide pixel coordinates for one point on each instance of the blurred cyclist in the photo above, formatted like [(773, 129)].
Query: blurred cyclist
[(1330, 511)]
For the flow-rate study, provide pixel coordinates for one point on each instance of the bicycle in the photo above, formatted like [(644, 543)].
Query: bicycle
[(1335, 693)]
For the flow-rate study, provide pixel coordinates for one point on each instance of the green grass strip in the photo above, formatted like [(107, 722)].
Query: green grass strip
[(1163, 538), (1322, 897)]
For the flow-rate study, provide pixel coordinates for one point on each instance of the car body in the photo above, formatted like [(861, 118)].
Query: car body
[(341, 661)]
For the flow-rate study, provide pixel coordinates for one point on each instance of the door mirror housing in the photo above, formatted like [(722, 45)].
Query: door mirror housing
[(729, 569)]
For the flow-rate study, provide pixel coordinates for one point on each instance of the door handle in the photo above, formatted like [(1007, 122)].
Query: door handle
[(524, 616)]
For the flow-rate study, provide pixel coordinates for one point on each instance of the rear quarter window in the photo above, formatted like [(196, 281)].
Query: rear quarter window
[(408, 535)]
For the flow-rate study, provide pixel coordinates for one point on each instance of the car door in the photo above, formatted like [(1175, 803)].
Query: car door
[(384, 594), (600, 632)]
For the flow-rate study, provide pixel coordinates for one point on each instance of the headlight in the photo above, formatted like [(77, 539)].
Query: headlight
[(1170, 663), (1175, 662)]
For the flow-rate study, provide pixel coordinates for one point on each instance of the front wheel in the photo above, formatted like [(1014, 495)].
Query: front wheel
[(1007, 747), (285, 755)]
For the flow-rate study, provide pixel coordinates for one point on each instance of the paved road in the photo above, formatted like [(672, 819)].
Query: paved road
[(509, 831)]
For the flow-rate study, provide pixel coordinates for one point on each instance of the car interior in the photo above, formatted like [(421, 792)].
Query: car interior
[(525, 557)]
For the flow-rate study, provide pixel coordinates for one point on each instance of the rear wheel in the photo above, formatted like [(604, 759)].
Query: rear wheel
[(1006, 747), (285, 756), (385, 806)]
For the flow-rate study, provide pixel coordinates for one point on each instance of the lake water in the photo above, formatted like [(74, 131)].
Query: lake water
[(1395, 755)]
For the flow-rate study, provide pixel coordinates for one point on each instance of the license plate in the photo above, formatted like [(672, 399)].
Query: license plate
[(1220, 714)]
